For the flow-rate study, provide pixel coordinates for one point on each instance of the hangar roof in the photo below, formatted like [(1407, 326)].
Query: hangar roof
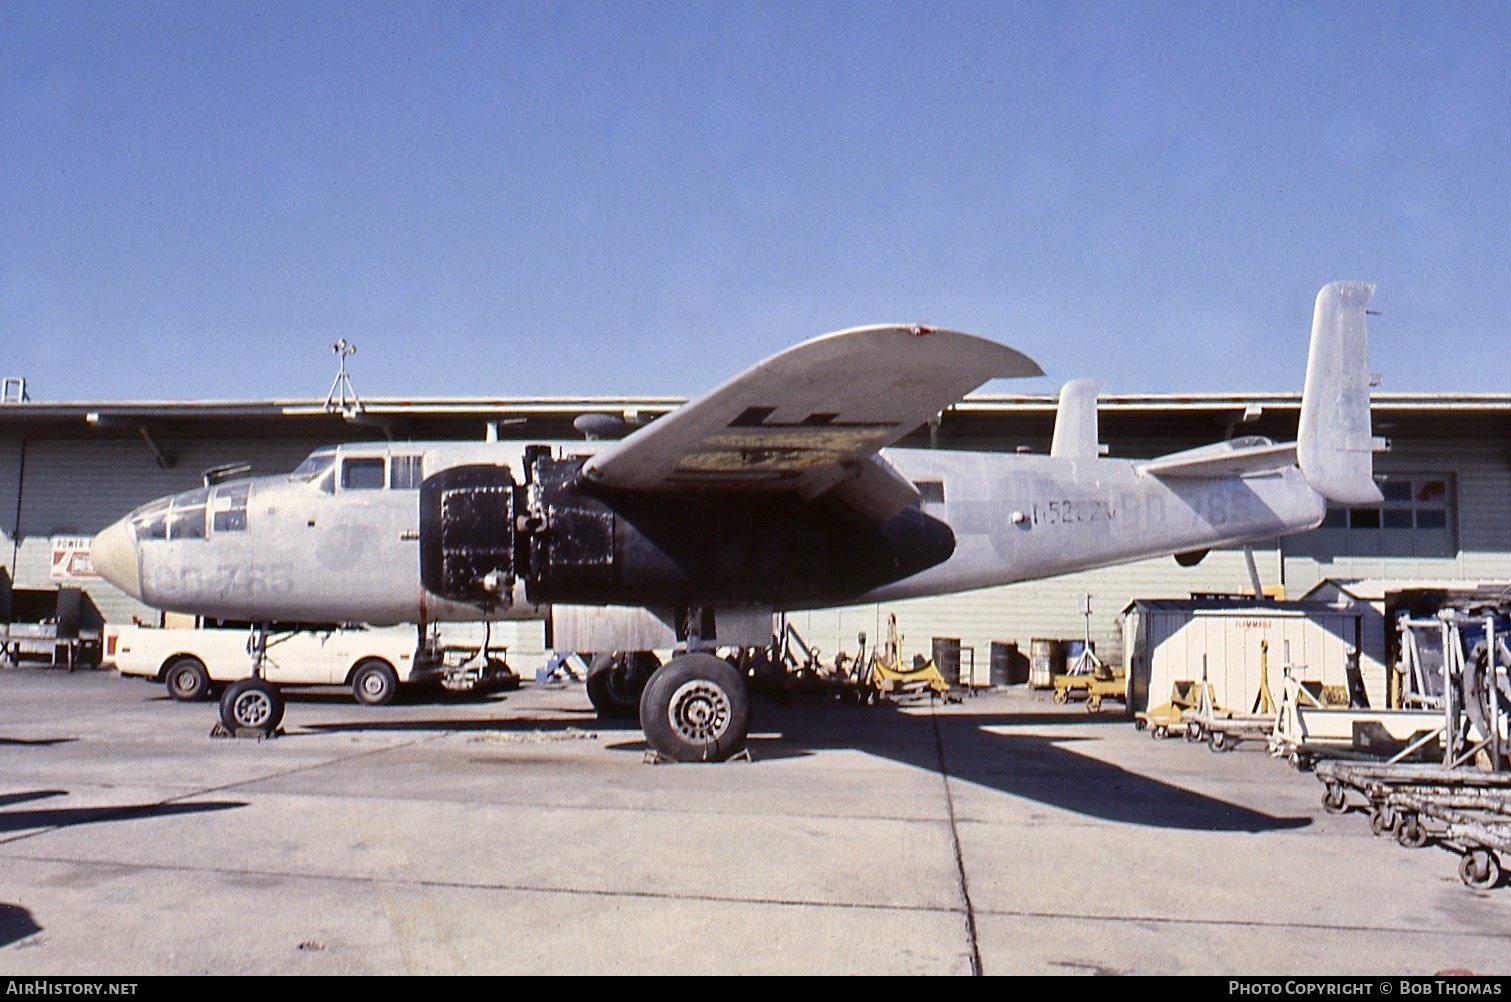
[(979, 421)]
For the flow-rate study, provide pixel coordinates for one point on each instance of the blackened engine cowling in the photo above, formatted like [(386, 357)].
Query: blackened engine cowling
[(596, 547), (467, 535)]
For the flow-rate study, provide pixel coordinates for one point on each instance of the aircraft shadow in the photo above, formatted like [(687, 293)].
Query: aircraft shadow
[(970, 747), (965, 746), (16, 923), (12, 821)]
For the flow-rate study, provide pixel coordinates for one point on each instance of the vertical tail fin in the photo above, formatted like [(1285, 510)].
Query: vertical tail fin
[(1076, 420), (1334, 444)]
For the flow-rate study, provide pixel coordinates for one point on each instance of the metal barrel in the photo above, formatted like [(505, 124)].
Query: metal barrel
[(1008, 666), (1047, 659), (947, 658)]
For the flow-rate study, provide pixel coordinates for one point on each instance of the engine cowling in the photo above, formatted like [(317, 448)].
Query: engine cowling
[(467, 535)]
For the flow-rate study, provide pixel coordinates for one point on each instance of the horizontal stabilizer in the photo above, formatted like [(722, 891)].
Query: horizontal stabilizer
[(1241, 457)]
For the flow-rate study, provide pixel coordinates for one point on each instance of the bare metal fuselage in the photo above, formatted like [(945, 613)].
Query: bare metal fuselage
[(335, 548)]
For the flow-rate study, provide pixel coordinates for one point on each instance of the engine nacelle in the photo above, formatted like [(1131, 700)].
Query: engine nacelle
[(592, 547), (467, 535)]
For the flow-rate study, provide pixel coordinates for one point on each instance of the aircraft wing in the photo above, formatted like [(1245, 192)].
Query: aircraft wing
[(1238, 458), (812, 417)]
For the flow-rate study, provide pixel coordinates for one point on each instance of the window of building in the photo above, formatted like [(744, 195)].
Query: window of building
[(1414, 520)]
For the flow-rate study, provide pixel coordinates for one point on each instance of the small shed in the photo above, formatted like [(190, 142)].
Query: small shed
[(1241, 644)]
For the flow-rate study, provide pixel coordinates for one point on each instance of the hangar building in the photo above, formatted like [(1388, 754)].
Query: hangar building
[(69, 469)]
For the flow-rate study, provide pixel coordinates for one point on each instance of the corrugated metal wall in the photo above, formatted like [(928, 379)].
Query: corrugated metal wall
[(77, 486)]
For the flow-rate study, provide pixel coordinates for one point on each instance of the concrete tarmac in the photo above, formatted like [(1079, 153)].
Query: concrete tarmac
[(518, 834)]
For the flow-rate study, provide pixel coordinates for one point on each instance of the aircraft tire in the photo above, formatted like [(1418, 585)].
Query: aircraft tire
[(251, 704), (615, 682), (696, 709), (374, 683), (187, 680)]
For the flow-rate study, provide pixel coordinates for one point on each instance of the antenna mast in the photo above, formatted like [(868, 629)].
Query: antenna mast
[(341, 396)]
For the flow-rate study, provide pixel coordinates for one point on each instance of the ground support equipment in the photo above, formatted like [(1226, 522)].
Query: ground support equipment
[(1163, 720), (1464, 803), (1094, 686), (1467, 811)]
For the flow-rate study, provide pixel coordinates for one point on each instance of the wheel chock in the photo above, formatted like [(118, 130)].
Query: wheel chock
[(653, 757), (219, 731)]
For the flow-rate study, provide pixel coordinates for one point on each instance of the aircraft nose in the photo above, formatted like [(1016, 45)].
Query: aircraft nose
[(113, 554)]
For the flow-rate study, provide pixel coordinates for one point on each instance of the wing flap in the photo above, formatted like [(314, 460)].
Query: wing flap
[(808, 415)]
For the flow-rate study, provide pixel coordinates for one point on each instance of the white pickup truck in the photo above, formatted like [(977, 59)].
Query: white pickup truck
[(374, 661)]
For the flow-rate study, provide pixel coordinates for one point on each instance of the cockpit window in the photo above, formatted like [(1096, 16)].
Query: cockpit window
[(228, 508), (404, 473), (362, 474), (151, 521), (318, 463), (186, 520)]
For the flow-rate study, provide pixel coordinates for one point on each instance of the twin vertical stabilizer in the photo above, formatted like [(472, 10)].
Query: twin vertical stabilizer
[(1076, 421), (1334, 443)]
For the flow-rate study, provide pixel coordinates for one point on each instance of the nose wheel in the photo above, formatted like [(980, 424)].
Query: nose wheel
[(251, 707)]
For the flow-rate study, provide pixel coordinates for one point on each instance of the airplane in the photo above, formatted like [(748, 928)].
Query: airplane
[(778, 490)]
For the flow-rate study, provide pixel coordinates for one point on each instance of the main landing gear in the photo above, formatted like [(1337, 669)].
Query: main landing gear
[(696, 709), (615, 682)]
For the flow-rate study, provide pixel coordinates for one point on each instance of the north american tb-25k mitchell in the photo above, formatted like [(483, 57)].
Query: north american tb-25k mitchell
[(775, 491)]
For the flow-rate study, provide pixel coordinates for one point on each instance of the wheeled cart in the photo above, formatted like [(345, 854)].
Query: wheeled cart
[(1465, 810)]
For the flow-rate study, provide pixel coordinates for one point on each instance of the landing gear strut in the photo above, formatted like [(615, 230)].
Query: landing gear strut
[(253, 706)]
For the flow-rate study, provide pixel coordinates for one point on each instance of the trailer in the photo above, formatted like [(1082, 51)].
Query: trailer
[(1463, 802)]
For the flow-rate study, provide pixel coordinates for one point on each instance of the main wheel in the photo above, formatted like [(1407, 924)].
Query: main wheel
[(251, 705), (1478, 868), (696, 709), (187, 679), (374, 683), (615, 681)]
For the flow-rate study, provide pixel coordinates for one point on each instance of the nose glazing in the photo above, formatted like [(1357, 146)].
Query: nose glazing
[(113, 554)]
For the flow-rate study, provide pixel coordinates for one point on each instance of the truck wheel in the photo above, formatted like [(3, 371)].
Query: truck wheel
[(374, 683), (251, 705), (696, 709), (187, 679)]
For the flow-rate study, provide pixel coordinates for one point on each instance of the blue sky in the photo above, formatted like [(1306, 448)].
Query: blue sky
[(504, 199)]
